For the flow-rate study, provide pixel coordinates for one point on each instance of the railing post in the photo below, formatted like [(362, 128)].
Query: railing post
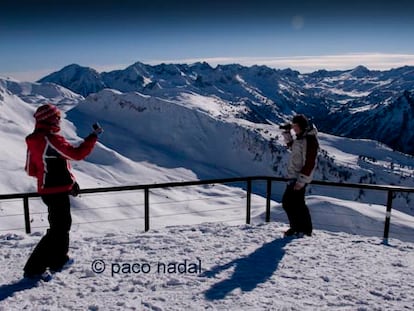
[(26, 214), (248, 200), (388, 217), (146, 208), (268, 195)]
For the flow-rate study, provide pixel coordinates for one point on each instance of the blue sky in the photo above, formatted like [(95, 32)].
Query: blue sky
[(39, 37)]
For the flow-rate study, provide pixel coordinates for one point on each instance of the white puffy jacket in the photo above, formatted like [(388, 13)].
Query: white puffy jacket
[(302, 160)]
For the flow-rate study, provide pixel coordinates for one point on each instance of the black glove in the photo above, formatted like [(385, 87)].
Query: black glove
[(97, 128), (75, 190)]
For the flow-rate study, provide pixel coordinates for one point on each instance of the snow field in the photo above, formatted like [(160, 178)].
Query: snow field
[(245, 267)]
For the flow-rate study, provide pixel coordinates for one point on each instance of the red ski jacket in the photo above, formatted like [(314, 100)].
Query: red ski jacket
[(47, 159)]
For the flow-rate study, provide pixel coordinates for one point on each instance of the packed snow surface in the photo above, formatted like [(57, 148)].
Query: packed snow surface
[(214, 266)]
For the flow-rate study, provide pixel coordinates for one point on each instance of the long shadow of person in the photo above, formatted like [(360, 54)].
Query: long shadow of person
[(250, 271), (8, 290)]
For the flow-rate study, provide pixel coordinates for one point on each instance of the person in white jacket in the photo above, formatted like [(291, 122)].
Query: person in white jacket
[(302, 162)]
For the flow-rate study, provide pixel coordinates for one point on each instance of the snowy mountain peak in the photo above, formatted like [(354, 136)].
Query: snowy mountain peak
[(360, 71), (74, 71), (138, 68), (82, 80), (200, 66), (331, 98)]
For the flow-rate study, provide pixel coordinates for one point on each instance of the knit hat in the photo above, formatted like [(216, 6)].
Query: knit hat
[(47, 112), (301, 120)]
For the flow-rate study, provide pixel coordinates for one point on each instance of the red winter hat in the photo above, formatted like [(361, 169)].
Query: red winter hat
[(46, 112)]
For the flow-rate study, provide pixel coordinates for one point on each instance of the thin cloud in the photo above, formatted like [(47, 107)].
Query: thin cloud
[(304, 64)]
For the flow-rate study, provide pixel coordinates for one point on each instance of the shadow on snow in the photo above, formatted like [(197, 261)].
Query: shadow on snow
[(250, 271), (8, 290)]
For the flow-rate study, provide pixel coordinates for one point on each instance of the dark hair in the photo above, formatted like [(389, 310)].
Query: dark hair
[(301, 120)]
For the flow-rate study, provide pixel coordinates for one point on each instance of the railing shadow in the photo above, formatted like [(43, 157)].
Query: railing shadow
[(250, 271)]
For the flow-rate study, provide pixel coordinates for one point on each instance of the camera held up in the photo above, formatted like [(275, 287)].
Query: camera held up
[(286, 127)]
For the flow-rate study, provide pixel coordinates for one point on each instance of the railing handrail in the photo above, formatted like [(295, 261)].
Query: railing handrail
[(393, 188), (390, 189)]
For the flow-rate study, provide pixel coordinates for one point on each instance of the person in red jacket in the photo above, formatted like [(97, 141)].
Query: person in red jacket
[(48, 155)]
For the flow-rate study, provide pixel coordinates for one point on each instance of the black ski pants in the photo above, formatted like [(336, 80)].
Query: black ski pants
[(293, 203), (51, 251)]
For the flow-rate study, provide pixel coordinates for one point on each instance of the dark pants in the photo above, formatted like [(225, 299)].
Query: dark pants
[(293, 203), (51, 251)]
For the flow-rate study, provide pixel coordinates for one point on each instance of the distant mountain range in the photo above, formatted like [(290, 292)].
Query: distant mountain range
[(179, 134), (357, 103)]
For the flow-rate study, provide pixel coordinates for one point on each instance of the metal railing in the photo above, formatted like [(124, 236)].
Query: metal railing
[(248, 180)]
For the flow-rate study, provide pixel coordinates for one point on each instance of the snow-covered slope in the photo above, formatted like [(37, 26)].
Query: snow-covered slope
[(16, 120), (151, 140), (389, 122), (192, 133), (328, 97), (37, 93), (207, 136)]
